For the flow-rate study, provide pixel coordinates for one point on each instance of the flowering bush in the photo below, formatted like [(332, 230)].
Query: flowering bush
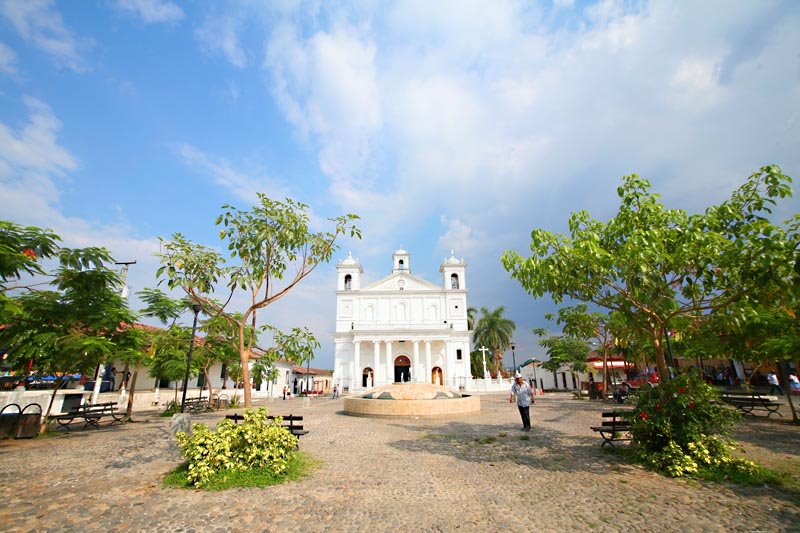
[(675, 428), (256, 443)]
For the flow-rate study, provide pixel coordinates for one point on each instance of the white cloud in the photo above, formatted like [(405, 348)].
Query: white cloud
[(8, 60), (464, 240), (244, 184), (219, 34), (38, 22), (32, 167), (327, 88), (152, 11)]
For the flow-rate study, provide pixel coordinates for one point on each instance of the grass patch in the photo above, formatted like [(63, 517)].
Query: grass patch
[(486, 440), (754, 476), (525, 437), (300, 466), (503, 434)]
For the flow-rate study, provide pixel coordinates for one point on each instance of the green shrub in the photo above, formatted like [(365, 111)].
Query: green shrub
[(256, 443), (675, 427)]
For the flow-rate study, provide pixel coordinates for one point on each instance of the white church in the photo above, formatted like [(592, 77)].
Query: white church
[(401, 328)]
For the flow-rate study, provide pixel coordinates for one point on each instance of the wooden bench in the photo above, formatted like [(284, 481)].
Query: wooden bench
[(613, 427), (91, 415), (294, 423), (196, 405), (748, 402)]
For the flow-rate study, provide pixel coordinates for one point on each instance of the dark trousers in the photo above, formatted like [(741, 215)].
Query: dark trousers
[(525, 413), (773, 388)]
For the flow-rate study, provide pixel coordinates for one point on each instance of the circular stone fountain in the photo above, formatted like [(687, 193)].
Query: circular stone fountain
[(411, 399)]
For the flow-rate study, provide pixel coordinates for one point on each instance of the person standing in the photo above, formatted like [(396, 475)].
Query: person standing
[(774, 384), (335, 392), (524, 395)]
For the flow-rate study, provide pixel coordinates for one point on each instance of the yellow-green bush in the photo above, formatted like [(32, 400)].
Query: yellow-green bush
[(256, 443)]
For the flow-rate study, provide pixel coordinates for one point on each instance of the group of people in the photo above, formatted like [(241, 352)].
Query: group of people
[(775, 384)]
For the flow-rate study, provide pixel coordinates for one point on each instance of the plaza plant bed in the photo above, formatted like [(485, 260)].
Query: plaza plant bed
[(255, 453), (680, 429), (299, 466)]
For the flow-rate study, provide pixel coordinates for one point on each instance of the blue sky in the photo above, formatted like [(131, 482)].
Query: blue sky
[(446, 125)]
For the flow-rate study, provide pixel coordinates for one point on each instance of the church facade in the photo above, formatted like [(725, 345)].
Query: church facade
[(401, 328)]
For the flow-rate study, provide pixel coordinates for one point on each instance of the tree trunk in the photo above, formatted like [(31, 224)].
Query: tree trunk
[(208, 382), (131, 392), (785, 380), (661, 362), (43, 425)]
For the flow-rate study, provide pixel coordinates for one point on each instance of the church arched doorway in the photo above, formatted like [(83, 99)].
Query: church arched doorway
[(367, 378), (402, 369), (436, 376)]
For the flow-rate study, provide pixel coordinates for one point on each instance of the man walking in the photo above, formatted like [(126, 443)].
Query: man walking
[(774, 384), (524, 394)]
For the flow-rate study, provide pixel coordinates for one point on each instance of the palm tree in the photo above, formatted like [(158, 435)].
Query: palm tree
[(471, 312), (495, 331)]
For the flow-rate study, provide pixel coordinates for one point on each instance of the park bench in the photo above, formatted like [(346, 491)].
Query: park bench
[(747, 402), (196, 405), (294, 423), (614, 427), (91, 414)]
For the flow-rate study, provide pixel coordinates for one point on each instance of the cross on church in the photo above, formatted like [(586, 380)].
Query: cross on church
[(483, 350)]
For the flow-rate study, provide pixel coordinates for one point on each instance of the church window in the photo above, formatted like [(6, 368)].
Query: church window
[(401, 264), (458, 354), (348, 279), (454, 281)]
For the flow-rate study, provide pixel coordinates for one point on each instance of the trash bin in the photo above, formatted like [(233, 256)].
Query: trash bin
[(29, 423), (8, 420)]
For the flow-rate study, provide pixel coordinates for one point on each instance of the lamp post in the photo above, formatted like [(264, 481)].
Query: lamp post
[(513, 355), (196, 308), (308, 376), (535, 379)]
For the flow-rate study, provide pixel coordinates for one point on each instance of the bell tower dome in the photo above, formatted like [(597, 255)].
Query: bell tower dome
[(401, 261)]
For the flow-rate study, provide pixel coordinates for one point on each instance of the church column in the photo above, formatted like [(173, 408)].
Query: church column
[(376, 361), (356, 364), (389, 364), (428, 368), (417, 377), (449, 367)]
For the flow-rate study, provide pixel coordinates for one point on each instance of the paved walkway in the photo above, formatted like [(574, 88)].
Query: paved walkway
[(468, 474)]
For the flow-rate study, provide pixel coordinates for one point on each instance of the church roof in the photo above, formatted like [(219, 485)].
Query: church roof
[(348, 261), (411, 283), (453, 260)]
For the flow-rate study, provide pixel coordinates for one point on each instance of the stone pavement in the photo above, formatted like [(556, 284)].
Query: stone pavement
[(466, 474)]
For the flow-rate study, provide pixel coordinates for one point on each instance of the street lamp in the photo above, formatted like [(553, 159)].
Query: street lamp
[(196, 308), (308, 375), (513, 356), (535, 379)]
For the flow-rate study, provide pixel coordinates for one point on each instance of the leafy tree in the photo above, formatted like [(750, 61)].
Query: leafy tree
[(270, 243), (563, 351), (21, 249), (76, 326), (655, 266), (495, 331)]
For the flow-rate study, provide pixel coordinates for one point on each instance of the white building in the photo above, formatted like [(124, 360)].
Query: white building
[(401, 328)]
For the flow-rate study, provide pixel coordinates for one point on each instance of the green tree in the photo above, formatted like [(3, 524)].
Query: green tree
[(495, 331), (21, 249), (564, 350), (472, 312), (74, 327), (269, 244), (655, 266)]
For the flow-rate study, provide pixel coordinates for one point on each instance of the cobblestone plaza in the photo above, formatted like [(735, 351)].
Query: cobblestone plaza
[(477, 473)]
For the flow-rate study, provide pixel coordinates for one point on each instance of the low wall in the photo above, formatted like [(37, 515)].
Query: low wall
[(408, 408)]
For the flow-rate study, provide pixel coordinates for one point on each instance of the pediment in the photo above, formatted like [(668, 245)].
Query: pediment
[(401, 279)]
